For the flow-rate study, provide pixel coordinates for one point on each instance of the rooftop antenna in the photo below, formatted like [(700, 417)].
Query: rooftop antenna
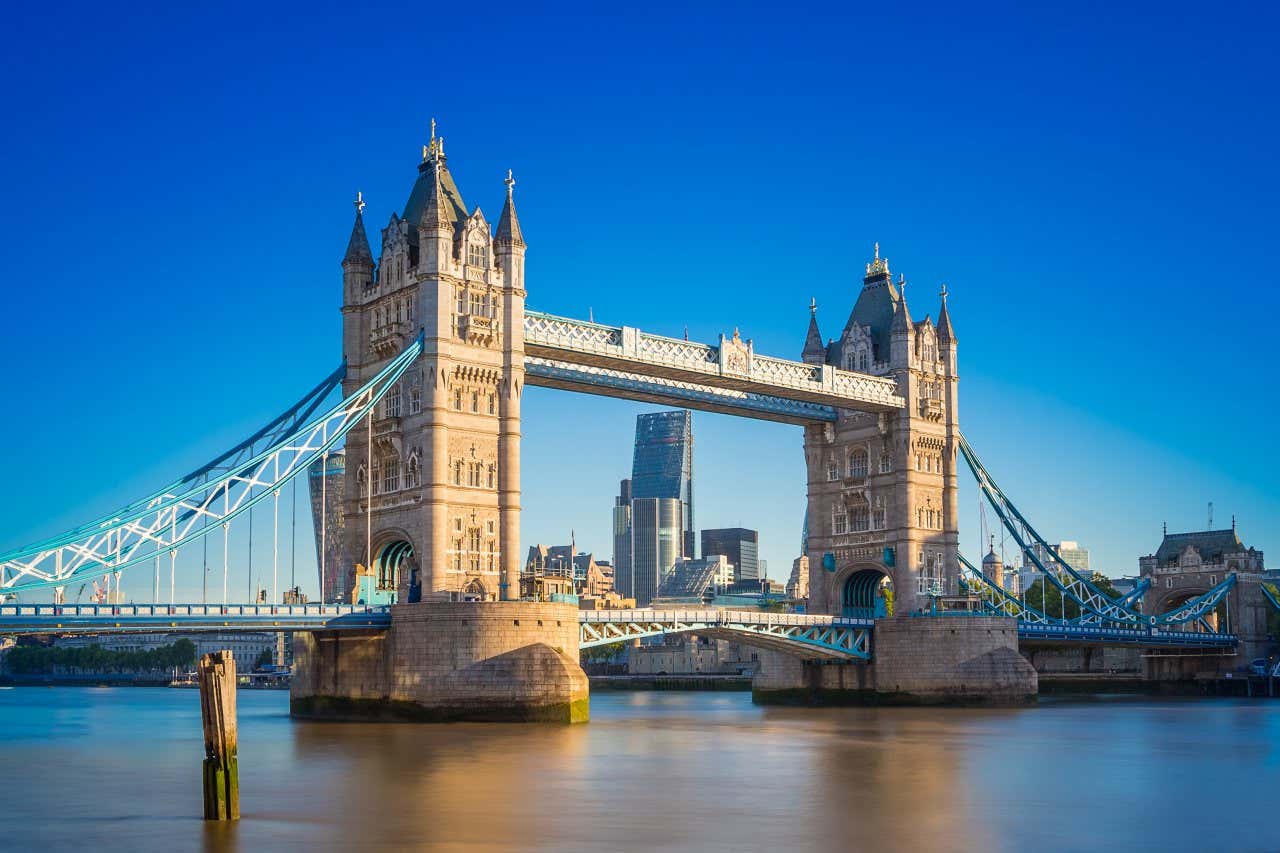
[(591, 315), (1210, 527)]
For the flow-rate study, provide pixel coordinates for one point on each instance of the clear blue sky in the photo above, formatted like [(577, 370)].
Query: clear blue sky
[(1097, 187)]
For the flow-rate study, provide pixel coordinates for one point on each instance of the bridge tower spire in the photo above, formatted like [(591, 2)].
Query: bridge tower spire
[(432, 489), (814, 352), (357, 263), (882, 488)]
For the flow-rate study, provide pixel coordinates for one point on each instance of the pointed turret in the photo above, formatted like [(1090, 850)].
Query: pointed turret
[(358, 246), (435, 211), (814, 352), (901, 317), (946, 334), (508, 224)]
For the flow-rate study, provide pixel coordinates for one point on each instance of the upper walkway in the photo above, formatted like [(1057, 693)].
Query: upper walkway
[(730, 377)]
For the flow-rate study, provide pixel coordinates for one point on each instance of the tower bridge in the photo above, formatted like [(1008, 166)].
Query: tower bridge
[(438, 348)]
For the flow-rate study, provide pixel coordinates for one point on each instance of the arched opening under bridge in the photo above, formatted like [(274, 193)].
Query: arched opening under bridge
[(867, 594), (1217, 620), (392, 558)]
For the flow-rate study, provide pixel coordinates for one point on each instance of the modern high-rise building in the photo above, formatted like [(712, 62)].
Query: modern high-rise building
[(624, 582), (656, 545), (740, 545), (662, 465), (327, 485)]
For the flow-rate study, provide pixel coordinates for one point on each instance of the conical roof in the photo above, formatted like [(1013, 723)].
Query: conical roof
[(508, 223), (434, 195), (813, 348), (945, 332), (358, 245)]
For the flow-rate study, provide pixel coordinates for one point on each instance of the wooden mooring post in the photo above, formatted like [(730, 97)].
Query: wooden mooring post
[(217, 675)]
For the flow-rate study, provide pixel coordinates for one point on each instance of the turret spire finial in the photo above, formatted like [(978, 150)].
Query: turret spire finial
[(359, 202), (510, 182), (813, 306), (943, 292), (877, 250)]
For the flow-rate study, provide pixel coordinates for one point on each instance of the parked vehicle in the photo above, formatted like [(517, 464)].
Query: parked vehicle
[(1258, 666)]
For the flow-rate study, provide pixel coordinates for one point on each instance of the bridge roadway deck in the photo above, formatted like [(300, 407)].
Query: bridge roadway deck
[(26, 619), (828, 636)]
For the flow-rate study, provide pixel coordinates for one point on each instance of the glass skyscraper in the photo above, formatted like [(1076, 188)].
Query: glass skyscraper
[(661, 500), (662, 465)]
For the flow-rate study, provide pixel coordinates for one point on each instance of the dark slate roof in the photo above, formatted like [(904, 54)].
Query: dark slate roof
[(1211, 544), (509, 225), (358, 245), (813, 340), (454, 207), (945, 332), (876, 305)]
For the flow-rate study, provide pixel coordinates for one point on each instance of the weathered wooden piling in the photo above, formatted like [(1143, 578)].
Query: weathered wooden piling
[(217, 675)]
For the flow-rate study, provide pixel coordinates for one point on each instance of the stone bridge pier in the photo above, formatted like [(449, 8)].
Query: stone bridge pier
[(503, 661)]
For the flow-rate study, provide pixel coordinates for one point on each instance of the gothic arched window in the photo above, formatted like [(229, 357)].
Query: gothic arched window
[(415, 400), (839, 521), (858, 464), (391, 474), (412, 473), (393, 401)]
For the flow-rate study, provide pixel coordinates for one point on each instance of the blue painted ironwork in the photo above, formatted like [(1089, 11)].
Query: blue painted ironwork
[(1271, 595), (1141, 635), (1096, 606), (173, 519), (281, 425), (1131, 598), (995, 599), (31, 619), (793, 633)]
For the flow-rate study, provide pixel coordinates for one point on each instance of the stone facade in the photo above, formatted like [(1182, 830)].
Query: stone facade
[(439, 460), (1187, 565), (960, 660), (501, 661), (882, 493)]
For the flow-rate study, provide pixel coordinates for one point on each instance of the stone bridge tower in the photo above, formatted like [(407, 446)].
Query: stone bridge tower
[(882, 491), (432, 508)]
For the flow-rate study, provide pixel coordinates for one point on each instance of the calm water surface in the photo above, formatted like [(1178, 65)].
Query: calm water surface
[(119, 769)]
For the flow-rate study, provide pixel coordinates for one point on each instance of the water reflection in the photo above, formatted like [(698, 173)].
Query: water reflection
[(652, 771)]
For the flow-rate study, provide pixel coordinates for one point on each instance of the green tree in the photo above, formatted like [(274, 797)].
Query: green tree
[(264, 657), (602, 654), (1047, 598)]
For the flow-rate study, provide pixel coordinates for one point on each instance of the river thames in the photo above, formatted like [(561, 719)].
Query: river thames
[(119, 768)]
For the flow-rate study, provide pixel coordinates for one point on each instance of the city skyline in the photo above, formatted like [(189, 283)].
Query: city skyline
[(1085, 327)]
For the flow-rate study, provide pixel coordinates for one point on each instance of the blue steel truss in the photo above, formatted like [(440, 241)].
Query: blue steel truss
[(1271, 595), (1096, 606), (796, 634), (1035, 625), (165, 522), (271, 432)]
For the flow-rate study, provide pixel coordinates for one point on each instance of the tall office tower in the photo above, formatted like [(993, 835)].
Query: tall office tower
[(623, 579), (656, 544), (662, 466), (740, 545), (327, 486)]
